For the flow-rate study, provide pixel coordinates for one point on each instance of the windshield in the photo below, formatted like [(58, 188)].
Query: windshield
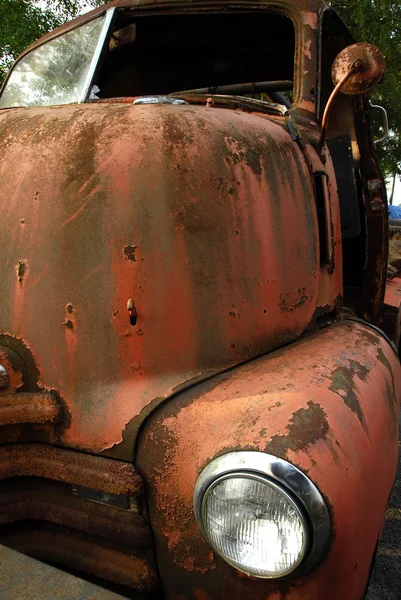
[(57, 71)]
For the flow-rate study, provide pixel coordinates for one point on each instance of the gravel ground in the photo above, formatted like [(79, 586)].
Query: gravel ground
[(386, 578)]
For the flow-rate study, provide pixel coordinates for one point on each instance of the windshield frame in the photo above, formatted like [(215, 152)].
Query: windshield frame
[(143, 8), (94, 63)]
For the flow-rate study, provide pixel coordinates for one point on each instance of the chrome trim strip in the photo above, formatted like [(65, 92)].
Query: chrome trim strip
[(96, 56), (291, 479)]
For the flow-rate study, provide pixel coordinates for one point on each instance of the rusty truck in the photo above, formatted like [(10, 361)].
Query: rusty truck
[(200, 355)]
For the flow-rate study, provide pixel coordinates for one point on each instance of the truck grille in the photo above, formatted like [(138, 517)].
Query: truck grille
[(79, 512)]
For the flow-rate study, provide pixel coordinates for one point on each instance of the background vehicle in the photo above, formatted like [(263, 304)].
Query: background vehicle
[(190, 300)]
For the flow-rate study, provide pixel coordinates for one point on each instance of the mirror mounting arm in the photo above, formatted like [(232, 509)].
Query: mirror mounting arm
[(356, 67), (356, 70)]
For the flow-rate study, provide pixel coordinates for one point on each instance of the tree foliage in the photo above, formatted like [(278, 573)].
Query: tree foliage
[(379, 22)]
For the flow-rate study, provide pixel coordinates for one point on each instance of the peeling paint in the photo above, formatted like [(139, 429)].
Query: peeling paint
[(292, 300), (343, 385), (282, 404), (306, 427), (311, 19)]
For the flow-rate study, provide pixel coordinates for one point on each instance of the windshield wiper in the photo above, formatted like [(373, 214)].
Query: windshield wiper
[(233, 95)]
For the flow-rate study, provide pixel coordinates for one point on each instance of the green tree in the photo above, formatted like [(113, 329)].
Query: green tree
[(24, 21), (379, 22)]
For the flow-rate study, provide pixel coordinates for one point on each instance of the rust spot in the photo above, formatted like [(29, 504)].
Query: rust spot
[(275, 405), (252, 159), (129, 253), (69, 308), (68, 324), (306, 427), (391, 403), (21, 270), (289, 302), (370, 338), (343, 385), (381, 357)]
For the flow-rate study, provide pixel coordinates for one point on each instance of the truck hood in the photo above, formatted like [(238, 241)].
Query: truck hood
[(199, 220)]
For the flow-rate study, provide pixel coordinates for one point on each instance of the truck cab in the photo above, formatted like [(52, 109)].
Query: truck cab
[(197, 396)]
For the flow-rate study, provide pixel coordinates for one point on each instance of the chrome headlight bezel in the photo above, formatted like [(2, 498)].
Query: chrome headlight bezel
[(291, 482)]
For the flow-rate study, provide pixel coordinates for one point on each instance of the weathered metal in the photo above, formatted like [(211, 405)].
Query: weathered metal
[(329, 405), (41, 460), (152, 249), (367, 63), (87, 198), (83, 554), (43, 500), (22, 577), (28, 408)]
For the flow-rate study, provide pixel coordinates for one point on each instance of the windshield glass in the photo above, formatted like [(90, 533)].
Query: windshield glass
[(56, 72)]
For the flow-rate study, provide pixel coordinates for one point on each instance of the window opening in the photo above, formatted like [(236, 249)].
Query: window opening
[(160, 55)]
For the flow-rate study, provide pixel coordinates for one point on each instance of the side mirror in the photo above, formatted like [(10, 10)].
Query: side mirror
[(356, 70)]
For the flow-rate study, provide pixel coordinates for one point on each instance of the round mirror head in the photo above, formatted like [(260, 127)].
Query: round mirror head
[(370, 64)]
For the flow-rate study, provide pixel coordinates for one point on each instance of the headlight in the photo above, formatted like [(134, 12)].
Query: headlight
[(262, 514)]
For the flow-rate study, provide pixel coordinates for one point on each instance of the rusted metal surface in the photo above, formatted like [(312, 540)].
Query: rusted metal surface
[(48, 501), (147, 249), (329, 405), (22, 577), (224, 253), (28, 408), (41, 514), (84, 555), (367, 64), (40, 460)]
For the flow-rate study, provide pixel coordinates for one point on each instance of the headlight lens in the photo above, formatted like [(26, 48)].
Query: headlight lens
[(255, 525), (262, 514)]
